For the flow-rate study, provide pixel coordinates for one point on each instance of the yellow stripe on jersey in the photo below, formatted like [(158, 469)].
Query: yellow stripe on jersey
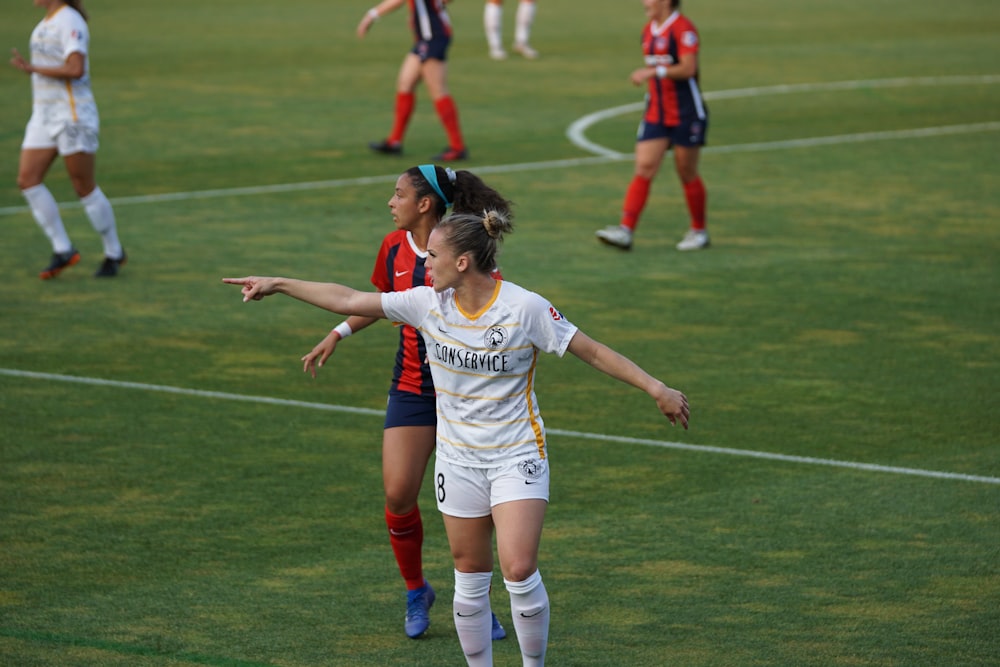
[(466, 422), (433, 362), (464, 445), (528, 393), (72, 100)]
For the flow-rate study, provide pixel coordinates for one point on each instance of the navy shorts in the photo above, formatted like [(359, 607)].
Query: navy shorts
[(406, 409), (691, 133), (436, 48)]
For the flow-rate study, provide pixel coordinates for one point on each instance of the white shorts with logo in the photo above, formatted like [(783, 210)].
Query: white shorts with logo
[(69, 137), (471, 493)]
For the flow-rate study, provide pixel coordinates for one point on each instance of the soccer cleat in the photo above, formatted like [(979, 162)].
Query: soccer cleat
[(616, 235), (418, 603), (498, 632), (695, 239), (526, 51), (386, 147), (60, 261), (498, 54), (109, 267), (451, 155)]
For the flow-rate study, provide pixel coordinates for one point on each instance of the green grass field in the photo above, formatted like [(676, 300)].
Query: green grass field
[(174, 491)]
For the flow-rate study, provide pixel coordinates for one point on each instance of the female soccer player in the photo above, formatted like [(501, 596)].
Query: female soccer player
[(64, 122), (426, 61), (523, 20), (422, 197), (675, 117), (483, 337)]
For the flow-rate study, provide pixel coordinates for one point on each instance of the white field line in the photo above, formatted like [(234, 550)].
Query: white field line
[(576, 134), (704, 449)]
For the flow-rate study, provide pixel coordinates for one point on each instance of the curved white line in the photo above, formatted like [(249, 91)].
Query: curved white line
[(576, 132)]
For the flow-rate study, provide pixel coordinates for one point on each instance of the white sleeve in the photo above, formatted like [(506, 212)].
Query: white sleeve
[(548, 329), (409, 307), (75, 36)]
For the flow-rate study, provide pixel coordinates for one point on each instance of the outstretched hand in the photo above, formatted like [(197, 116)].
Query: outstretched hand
[(254, 287), (674, 405)]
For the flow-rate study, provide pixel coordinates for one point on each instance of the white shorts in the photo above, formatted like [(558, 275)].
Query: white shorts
[(471, 493), (68, 138)]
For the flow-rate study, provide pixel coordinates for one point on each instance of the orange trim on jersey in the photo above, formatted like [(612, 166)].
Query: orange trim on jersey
[(475, 316), (528, 392), (72, 100)]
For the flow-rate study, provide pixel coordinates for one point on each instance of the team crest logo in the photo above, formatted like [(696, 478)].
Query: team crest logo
[(496, 338), (530, 469)]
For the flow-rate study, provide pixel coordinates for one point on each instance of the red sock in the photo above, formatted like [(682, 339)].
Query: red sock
[(635, 201), (405, 102), (406, 535), (448, 113), (694, 192)]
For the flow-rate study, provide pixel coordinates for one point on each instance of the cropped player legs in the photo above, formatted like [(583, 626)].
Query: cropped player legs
[(406, 87), (686, 163), (522, 28), (493, 25), (405, 453), (435, 75), (648, 158), (471, 543), (81, 168), (519, 533), (33, 166)]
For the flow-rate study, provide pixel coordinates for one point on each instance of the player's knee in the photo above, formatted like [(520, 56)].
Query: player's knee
[(520, 570)]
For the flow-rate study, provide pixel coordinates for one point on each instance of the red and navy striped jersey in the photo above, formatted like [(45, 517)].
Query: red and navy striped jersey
[(429, 19), (400, 266), (671, 102)]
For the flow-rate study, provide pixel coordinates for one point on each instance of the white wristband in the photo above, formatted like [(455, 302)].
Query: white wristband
[(373, 15), (661, 71), (344, 329)]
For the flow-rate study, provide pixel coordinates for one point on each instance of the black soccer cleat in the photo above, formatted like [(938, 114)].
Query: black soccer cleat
[(386, 147), (60, 261), (110, 266)]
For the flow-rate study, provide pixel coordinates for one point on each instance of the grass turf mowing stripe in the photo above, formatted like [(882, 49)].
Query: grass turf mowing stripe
[(122, 648)]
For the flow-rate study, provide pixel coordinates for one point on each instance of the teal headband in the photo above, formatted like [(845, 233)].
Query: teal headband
[(430, 175)]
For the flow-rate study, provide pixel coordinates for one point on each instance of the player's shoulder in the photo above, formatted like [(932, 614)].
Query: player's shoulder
[(395, 236), (520, 298), (70, 17), (395, 239), (683, 23)]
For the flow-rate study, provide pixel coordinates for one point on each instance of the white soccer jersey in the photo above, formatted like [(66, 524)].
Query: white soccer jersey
[(483, 366), (61, 101)]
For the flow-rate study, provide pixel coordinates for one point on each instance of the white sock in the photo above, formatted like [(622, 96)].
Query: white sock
[(46, 213), (529, 605), (473, 618), (102, 217), (493, 23), (525, 17)]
